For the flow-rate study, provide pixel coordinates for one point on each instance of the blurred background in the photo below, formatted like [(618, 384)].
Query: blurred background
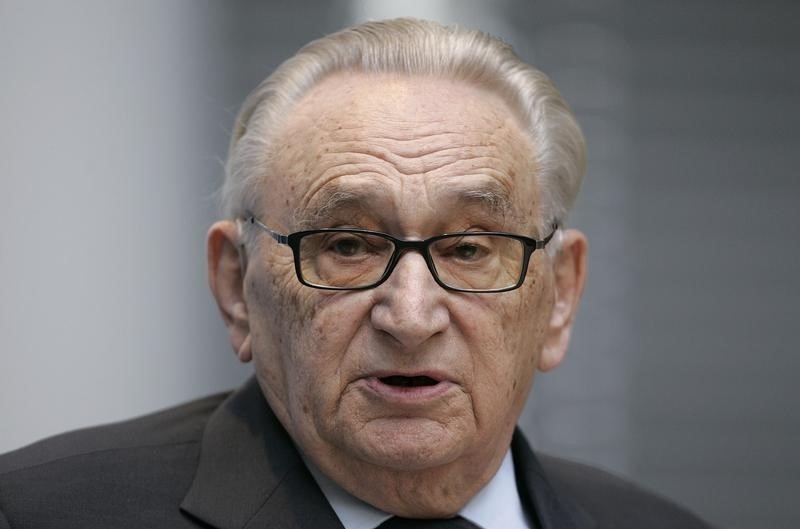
[(114, 120)]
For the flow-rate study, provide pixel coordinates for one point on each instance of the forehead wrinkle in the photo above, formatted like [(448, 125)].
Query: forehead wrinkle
[(411, 157), (413, 147), (349, 185), (328, 203), (364, 152), (455, 167), (407, 136), (361, 158), (374, 134), (421, 145), (395, 133)]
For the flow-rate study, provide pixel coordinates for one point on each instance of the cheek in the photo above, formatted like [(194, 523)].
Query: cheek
[(508, 362), (330, 344), (278, 311), (303, 346), (276, 306), (528, 316)]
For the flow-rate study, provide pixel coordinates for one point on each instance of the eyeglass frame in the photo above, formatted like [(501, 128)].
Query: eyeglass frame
[(400, 247)]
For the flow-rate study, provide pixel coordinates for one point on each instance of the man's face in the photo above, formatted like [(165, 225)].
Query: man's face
[(413, 157)]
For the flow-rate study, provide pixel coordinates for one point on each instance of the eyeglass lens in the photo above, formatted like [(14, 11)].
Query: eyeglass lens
[(353, 260)]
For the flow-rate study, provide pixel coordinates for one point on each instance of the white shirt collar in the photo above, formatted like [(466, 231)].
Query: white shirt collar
[(497, 505)]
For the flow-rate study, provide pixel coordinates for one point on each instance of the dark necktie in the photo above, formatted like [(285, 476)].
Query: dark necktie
[(443, 523)]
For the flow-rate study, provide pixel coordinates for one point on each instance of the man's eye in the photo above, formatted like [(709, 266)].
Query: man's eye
[(347, 246), (467, 249), (466, 252)]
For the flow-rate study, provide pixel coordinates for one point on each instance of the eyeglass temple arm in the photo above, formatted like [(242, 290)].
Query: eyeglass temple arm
[(283, 239), (541, 244)]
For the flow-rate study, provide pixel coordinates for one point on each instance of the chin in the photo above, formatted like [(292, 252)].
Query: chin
[(407, 444)]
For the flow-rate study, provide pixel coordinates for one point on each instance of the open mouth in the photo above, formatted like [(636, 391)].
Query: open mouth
[(408, 382), (410, 389)]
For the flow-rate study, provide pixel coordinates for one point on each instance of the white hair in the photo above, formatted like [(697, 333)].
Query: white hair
[(413, 47)]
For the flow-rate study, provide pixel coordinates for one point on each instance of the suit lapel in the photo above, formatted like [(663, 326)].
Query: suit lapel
[(548, 509), (250, 475)]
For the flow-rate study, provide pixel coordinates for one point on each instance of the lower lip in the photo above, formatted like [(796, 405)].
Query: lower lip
[(407, 394)]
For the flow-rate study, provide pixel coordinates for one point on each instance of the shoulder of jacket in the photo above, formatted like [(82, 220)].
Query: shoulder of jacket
[(180, 424), (615, 501)]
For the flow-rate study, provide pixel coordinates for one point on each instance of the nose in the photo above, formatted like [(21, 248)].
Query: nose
[(410, 306)]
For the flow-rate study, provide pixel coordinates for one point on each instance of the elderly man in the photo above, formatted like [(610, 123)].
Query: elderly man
[(395, 265)]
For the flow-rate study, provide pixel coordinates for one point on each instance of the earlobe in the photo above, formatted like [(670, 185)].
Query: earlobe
[(226, 271), (569, 272), (244, 354)]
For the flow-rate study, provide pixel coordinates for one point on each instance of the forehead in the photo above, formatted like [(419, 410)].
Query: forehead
[(401, 144)]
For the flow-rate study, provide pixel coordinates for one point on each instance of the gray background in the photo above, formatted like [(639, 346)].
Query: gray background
[(114, 122)]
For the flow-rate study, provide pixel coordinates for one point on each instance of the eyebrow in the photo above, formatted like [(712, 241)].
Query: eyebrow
[(330, 202), (489, 195), (324, 207)]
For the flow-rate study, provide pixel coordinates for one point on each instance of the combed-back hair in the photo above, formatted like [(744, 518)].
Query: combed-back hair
[(413, 47)]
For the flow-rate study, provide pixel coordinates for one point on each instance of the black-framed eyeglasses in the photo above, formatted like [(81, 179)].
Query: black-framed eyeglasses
[(356, 259)]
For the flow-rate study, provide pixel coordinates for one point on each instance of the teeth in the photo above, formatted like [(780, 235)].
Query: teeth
[(406, 382)]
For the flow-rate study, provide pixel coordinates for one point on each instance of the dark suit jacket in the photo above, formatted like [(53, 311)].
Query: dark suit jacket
[(225, 462)]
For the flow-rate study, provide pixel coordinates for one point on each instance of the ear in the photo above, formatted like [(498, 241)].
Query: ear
[(226, 271), (569, 272)]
